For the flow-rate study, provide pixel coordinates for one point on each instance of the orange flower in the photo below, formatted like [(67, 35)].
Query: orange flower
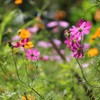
[(59, 15), (97, 15), (17, 2), (28, 45), (96, 35), (23, 33), (93, 52)]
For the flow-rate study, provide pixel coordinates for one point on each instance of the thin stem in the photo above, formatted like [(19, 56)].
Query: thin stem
[(82, 72), (25, 96), (23, 81), (84, 75), (4, 71), (24, 61), (76, 75)]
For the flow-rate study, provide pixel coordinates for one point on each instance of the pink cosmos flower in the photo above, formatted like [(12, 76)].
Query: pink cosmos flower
[(74, 36), (75, 46), (83, 27), (77, 49), (32, 54)]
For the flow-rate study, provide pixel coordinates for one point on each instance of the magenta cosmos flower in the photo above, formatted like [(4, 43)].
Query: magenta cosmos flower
[(83, 27), (32, 54), (21, 43)]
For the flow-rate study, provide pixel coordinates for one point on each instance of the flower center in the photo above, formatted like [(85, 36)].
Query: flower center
[(80, 30), (32, 55)]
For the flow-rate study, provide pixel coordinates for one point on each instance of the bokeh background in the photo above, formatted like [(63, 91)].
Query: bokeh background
[(53, 76)]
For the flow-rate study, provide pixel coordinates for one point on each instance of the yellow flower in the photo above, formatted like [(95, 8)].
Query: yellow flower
[(23, 33), (23, 98), (28, 45), (29, 97), (17, 2), (93, 52)]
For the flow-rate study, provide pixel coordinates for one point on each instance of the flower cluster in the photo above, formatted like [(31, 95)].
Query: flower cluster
[(75, 35), (24, 42)]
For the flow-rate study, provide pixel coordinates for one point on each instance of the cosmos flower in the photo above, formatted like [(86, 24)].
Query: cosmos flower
[(32, 54), (24, 43), (83, 27), (75, 35)]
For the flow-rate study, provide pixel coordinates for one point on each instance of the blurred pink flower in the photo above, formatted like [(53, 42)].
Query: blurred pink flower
[(57, 42), (55, 29), (85, 46), (63, 24), (55, 57), (32, 54), (69, 57), (85, 65), (53, 24), (44, 44), (33, 29), (44, 58), (16, 38)]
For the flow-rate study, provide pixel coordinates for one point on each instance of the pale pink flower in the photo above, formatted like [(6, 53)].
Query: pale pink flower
[(53, 24), (32, 54), (57, 42), (44, 58), (15, 38), (33, 29), (44, 44)]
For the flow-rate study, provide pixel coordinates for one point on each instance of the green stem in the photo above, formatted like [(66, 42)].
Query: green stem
[(23, 81), (24, 61), (84, 75), (4, 71)]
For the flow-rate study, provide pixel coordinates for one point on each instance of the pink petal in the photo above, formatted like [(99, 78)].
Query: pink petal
[(33, 29), (52, 24), (63, 24)]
